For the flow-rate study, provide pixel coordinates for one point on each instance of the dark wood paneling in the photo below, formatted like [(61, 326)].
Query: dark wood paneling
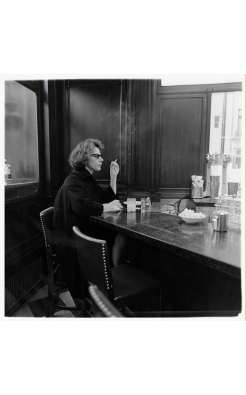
[(23, 232), (190, 287), (131, 106), (182, 139), (56, 136), (127, 124), (142, 135), (94, 110), (122, 177), (72, 83), (160, 134), (154, 185), (18, 256)]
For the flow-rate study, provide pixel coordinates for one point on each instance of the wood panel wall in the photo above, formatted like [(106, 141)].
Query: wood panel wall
[(160, 135), (182, 141), (142, 136), (95, 112)]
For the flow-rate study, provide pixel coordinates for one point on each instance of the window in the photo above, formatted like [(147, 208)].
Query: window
[(21, 135), (226, 133), (216, 121)]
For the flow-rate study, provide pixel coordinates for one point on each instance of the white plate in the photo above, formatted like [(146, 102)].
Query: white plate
[(138, 203), (190, 220)]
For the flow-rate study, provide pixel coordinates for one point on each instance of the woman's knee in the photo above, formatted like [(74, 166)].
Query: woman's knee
[(119, 249), (120, 240)]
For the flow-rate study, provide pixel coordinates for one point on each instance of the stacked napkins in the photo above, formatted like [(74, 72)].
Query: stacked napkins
[(187, 213), (197, 181)]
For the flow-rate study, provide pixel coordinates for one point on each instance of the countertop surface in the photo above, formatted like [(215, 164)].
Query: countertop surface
[(197, 242)]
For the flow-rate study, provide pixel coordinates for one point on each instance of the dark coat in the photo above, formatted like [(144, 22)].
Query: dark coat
[(79, 197)]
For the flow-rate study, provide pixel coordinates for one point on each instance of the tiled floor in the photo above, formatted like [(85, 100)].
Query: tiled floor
[(25, 311)]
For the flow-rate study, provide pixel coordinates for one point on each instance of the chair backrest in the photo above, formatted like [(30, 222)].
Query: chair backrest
[(101, 306), (183, 203), (94, 261), (46, 217)]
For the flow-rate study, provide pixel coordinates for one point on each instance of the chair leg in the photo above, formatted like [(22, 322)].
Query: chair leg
[(127, 312), (51, 305), (160, 302)]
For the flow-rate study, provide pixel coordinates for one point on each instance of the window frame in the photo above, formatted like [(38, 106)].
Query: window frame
[(20, 191), (221, 153)]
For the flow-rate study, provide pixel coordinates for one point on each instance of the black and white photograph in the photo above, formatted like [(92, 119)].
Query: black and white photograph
[(123, 197)]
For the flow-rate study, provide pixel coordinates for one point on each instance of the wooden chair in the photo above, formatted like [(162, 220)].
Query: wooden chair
[(55, 284), (183, 203), (123, 285), (101, 306)]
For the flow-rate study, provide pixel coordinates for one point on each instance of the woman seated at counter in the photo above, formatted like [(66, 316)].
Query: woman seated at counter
[(80, 197)]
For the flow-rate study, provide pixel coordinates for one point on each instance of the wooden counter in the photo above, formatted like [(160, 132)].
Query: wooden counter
[(196, 242), (200, 269)]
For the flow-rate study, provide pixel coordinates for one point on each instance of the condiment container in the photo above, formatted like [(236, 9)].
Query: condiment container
[(220, 221), (131, 205), (145, 204)]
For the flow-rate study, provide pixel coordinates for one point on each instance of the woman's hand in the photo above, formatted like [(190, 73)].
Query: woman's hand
[(114, 168), (113, 206)]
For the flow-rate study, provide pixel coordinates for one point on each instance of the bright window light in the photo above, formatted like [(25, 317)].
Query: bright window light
[(196, 79)]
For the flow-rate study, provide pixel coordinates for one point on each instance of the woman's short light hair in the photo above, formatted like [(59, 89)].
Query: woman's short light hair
[(80, 154)]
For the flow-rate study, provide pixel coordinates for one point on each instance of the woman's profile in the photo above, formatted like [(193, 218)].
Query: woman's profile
[(79, 197)]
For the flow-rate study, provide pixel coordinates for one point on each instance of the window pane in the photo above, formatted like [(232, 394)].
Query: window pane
[(233, 132), (226, 133), (216, 129), (21, 138), (216, 121)]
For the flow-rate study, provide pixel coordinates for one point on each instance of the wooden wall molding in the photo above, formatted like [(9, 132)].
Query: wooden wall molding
[(21, 202), (92, 82), (202, 88), (176, 193)]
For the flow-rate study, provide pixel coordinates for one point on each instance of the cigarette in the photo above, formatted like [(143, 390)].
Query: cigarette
[(115, 160)]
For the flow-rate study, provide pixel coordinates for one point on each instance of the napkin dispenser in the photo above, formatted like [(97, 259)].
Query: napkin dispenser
[(197, 187), (219, 222)]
